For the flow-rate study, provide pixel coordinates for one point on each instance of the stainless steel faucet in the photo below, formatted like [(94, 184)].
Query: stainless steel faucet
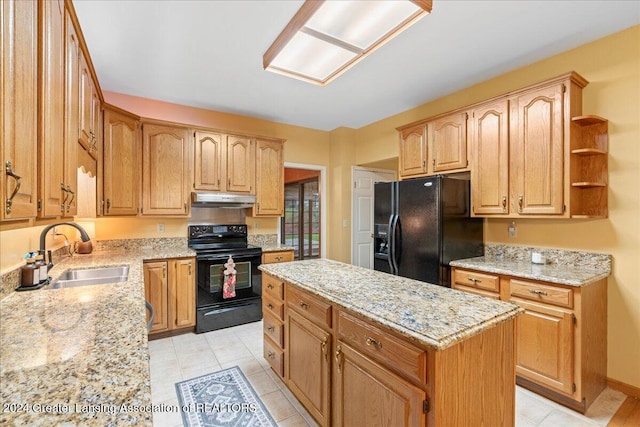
[(83, 236)]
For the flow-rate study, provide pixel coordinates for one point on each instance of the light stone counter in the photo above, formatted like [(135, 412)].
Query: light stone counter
[(277, 248), (81, 350), (432, 316), (561, 274)]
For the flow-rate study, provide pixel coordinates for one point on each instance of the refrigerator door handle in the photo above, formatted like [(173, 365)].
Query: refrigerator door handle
[(394, 245), (390, 244)]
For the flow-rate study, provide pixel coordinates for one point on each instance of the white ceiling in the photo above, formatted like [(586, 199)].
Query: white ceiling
[(208, 54)]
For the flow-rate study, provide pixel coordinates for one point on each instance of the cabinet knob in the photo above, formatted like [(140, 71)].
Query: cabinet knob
[(504, 203), (271, 328), (270, 286), (520, 201), (271, 355), (270, 306), (324, 349), (338, 358), (304, 305)]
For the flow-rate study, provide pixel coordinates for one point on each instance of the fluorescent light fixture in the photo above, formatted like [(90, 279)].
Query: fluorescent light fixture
[(326, 38)]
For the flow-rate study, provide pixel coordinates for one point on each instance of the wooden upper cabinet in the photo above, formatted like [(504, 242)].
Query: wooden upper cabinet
[(19, 105), (413, 151), (166, 170), (86, 105), (72, 118), (240, 164), (489, 141), (448, 139), (210, 161), (537, 150), (121, 179), (269, 178), (52, 107)]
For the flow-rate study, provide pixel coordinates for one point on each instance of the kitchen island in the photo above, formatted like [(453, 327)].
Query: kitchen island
[(403, 352), (79, 356)]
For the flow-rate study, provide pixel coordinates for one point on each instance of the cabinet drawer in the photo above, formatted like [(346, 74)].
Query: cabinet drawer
[(274, 356), (392, 352), (309, 306), (274, 329), (476, 280), (555, 295), (273, 306), (272, 286), (281, 256), (480, 292)]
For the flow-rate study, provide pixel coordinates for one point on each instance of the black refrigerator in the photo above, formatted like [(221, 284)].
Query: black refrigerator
[(422, 224)]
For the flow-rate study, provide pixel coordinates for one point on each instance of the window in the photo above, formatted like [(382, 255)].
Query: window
[(301, 221)]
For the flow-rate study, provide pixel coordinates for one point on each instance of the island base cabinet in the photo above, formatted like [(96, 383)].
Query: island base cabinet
[(307, 368), (368, 395), (474, 380)]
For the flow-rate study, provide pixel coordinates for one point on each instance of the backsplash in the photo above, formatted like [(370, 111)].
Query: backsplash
[(11, 280), (554, 256), (263, 239)]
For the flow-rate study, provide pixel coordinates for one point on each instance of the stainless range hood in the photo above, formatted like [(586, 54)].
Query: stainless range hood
[(222, 200)]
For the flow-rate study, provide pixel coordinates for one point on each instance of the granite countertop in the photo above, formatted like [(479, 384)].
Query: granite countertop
[(553, 273), (432, 316), (276, 248), (82, 351)]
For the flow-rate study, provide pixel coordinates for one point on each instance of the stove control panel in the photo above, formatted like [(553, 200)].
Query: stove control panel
[(220, 231)]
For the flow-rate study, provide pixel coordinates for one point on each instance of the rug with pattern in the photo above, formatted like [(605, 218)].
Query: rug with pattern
[(222, 399)]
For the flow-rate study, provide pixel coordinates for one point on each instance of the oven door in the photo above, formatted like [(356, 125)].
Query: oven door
[(210, 277)]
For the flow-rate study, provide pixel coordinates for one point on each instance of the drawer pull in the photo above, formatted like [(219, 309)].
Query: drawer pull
[(271, 328), (270, 286), (304, 305), (471, 279), (537, 292), (271, 355), (278, 258), (372, 341), (270, 306)]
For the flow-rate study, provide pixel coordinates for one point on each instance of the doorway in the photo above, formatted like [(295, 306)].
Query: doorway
[(301, 227), (364, 180)]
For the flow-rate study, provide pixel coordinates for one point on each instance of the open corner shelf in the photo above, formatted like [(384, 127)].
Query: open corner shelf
[(588, 120)]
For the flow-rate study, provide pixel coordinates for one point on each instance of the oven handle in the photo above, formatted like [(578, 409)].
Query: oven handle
[(219, 235)]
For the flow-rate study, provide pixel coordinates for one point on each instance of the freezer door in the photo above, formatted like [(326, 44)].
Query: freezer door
[(417, 247), (382, 203)]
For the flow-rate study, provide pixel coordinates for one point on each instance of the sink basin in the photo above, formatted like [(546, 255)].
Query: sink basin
[(91, 276)]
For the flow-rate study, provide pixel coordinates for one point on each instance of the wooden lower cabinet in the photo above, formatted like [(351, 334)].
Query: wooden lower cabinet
[(367, 394), (308, 367), (170, 288), (561, 350), (347, 371)]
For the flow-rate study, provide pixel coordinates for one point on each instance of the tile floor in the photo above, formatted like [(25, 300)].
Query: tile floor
[(190, 355)]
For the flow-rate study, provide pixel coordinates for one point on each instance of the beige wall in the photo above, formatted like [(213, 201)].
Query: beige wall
[(612, 65)]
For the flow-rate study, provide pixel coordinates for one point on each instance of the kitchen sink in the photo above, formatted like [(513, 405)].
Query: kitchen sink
[(91, 276)]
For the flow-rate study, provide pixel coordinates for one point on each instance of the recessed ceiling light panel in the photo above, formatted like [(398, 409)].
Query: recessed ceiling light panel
[(325, 38)]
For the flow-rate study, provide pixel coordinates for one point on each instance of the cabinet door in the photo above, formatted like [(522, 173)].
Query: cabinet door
[(19, 108), (121, 164), (413, 151), (545, 346), (72, 118), (166, 158), (489, 139), (308, 366), (51, 122), (155, 291), (85, 105), (366, 394), (269, 178), (448, 136), (210, 161), (240, 164), (536, 145), (182, 293)]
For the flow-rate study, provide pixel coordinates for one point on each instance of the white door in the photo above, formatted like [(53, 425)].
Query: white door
[(362, 212)]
